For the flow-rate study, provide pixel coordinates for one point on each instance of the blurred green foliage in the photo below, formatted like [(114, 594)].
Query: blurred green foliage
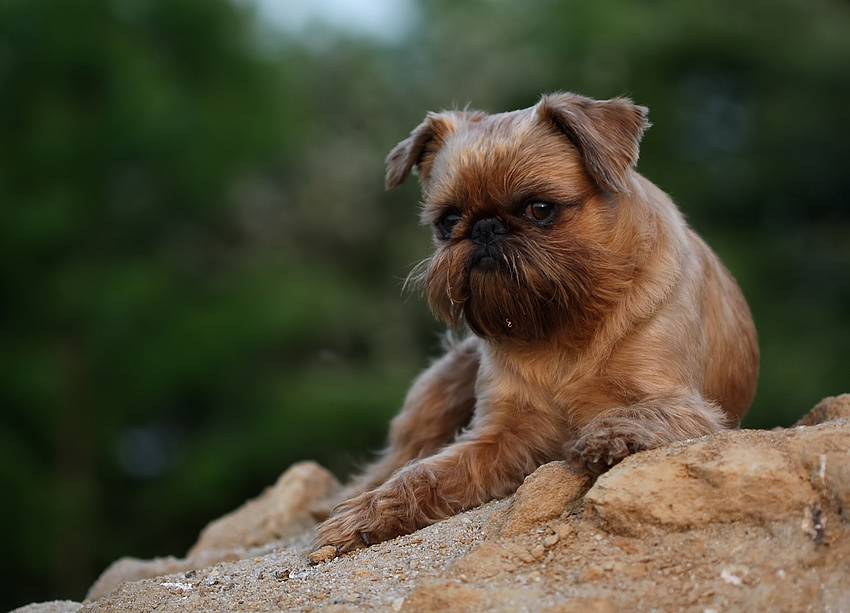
[(200, 271)]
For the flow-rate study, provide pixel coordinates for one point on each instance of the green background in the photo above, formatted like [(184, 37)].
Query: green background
[(200, 270)]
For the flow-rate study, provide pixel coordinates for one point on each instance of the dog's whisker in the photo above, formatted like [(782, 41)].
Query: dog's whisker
[(417, 274)]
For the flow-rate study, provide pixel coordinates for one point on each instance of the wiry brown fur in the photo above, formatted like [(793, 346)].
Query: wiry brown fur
[(607, 329)]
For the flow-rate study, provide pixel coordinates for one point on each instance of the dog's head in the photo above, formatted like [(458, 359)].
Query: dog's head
[(525, 212)]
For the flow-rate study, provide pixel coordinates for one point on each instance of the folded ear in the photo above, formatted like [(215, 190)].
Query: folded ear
[(416, 152), (605, 132)]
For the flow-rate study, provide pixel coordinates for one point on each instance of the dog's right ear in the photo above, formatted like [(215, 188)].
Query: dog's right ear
[(416, 152)]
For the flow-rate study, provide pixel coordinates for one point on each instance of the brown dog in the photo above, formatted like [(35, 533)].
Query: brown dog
[(601, 324)]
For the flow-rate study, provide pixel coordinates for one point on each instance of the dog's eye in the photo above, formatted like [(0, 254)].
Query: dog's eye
[(446, 224), (539, 211)]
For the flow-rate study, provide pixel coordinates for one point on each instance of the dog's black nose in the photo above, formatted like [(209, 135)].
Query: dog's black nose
[(487, 231)]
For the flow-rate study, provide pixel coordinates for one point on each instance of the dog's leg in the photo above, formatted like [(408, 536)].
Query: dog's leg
[(439, 405), (616, 433), (487, 461)]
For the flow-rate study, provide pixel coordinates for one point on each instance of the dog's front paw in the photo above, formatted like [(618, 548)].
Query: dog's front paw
[(360, 522), (597, 451)]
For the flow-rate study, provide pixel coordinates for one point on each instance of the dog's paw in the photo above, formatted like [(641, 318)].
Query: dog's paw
[(597, 451), (359, 522)]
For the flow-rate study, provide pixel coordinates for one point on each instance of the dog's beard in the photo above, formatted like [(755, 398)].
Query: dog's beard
[(522, 291)]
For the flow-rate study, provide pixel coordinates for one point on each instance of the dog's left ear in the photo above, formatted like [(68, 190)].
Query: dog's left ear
[(606, 133)]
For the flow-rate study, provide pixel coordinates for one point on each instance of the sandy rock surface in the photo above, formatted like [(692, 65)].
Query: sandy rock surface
[(740, 521), (282, 510)]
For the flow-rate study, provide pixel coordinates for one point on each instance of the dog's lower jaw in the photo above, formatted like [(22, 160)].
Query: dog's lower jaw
[(484, 260)]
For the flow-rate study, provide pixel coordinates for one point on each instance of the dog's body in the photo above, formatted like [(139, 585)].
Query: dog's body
[(601, 324)]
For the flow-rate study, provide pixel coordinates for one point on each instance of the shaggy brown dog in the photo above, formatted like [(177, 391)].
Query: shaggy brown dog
[(601, 324)]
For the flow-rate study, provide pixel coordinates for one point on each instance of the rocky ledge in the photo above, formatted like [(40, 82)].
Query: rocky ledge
[(744, 520)]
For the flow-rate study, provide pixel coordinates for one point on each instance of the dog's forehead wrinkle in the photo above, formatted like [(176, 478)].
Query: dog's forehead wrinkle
[(496, 165), (507, 183)]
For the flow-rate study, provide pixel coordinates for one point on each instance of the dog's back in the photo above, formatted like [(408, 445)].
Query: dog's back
[(733, 357)]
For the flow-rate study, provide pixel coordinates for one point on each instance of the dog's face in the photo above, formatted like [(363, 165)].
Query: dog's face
[(526, 213)]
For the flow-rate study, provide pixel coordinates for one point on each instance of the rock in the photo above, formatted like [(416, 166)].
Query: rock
[(825, 457), (735, 476), (322, 554), (56, 606), (446, 596), (282, 510), (134, 569), (828, 409), (742, 520), (584, 605), (549, 492)]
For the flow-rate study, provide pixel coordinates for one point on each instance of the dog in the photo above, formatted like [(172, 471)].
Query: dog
[(597, 323)]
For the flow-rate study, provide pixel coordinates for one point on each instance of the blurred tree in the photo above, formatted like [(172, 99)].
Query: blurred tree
[(160, 356), (200, 270)]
